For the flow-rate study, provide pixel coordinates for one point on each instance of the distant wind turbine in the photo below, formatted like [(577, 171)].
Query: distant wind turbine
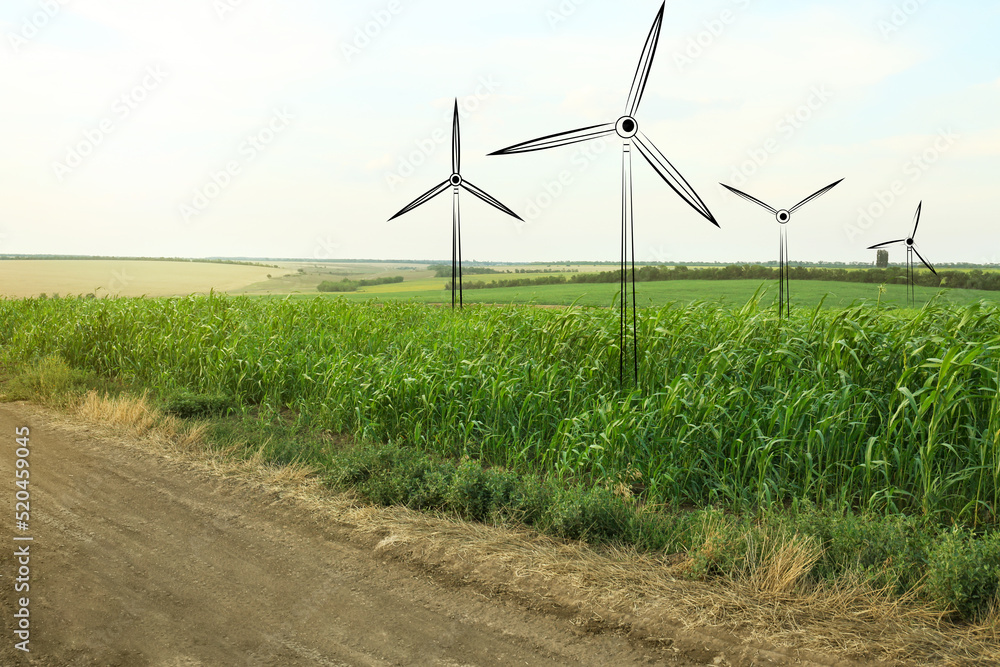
[(627, 128), (456, 181), (911, 249), (784, 216)]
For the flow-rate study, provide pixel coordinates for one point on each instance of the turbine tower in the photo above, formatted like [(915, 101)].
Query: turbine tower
[(627, 129), (784, 216), (911, 249), (456, 182)]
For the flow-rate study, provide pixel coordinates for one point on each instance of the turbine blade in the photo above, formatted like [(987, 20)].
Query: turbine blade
[(489, 199), (673, 177), (926, 263), (881, 245), (749, 198), (645, 65), (423, 199), (813, 196), (561, 139), (456, 145), (916, 221)]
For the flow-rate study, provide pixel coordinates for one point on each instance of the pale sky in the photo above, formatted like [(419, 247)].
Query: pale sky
[(262, 128)]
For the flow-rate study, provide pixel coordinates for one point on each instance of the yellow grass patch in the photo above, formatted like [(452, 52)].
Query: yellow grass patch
[(29, 278)]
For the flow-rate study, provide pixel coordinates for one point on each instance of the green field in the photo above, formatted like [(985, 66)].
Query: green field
[(871, 408), (805, 294), (887, 420)]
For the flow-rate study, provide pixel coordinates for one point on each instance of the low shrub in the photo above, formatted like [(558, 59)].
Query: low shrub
[(595, 515), (887, 550), (188, 404), (49, 380), (964, 572)]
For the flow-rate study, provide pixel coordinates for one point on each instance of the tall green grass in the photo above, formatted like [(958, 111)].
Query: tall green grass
[(884, 411)]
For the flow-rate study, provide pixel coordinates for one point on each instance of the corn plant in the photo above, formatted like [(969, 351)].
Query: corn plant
[(892, 411)]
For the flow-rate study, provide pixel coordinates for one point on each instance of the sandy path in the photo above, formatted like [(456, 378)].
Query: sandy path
[(137, 560)]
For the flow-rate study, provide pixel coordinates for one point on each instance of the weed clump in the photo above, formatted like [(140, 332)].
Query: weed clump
[(188, 404), (964, 573), (49, 380), (393, 474)]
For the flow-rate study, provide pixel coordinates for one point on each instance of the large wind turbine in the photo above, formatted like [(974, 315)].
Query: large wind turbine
[(456, 181), (911, 248), (784, 216), (627, 128)]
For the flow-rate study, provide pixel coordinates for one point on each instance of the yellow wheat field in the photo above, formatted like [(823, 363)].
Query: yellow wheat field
[(27, 278)]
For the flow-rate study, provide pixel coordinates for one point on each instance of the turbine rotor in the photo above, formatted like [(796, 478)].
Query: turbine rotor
[(627, 127)]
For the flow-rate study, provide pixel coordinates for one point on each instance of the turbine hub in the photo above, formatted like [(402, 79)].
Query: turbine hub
[(909, 242), (456, 180), (626, 127), (784, 217)]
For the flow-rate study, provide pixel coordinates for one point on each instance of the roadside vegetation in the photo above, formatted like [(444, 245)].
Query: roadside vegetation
[(868, 439)]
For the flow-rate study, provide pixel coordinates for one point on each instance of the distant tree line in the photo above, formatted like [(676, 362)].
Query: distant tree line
[(513, 282), (976, 279), (347, 285), (444, 270), (545, 270), (235, 262)]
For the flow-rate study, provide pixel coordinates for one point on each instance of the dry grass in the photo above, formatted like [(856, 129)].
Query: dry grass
[(771, 609), (782, 568), (28, 278), (133, 416)]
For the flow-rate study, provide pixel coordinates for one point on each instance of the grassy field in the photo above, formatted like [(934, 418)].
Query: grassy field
[(303, 277), (28, 278), (741, 422), (805, 294), (871, 408)]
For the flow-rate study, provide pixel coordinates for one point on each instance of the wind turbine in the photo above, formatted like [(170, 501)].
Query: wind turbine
[(784, 216), (627, 128), (456, 182), (911, 248)]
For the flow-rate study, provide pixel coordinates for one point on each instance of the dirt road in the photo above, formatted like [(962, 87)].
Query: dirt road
[(139, 560)]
